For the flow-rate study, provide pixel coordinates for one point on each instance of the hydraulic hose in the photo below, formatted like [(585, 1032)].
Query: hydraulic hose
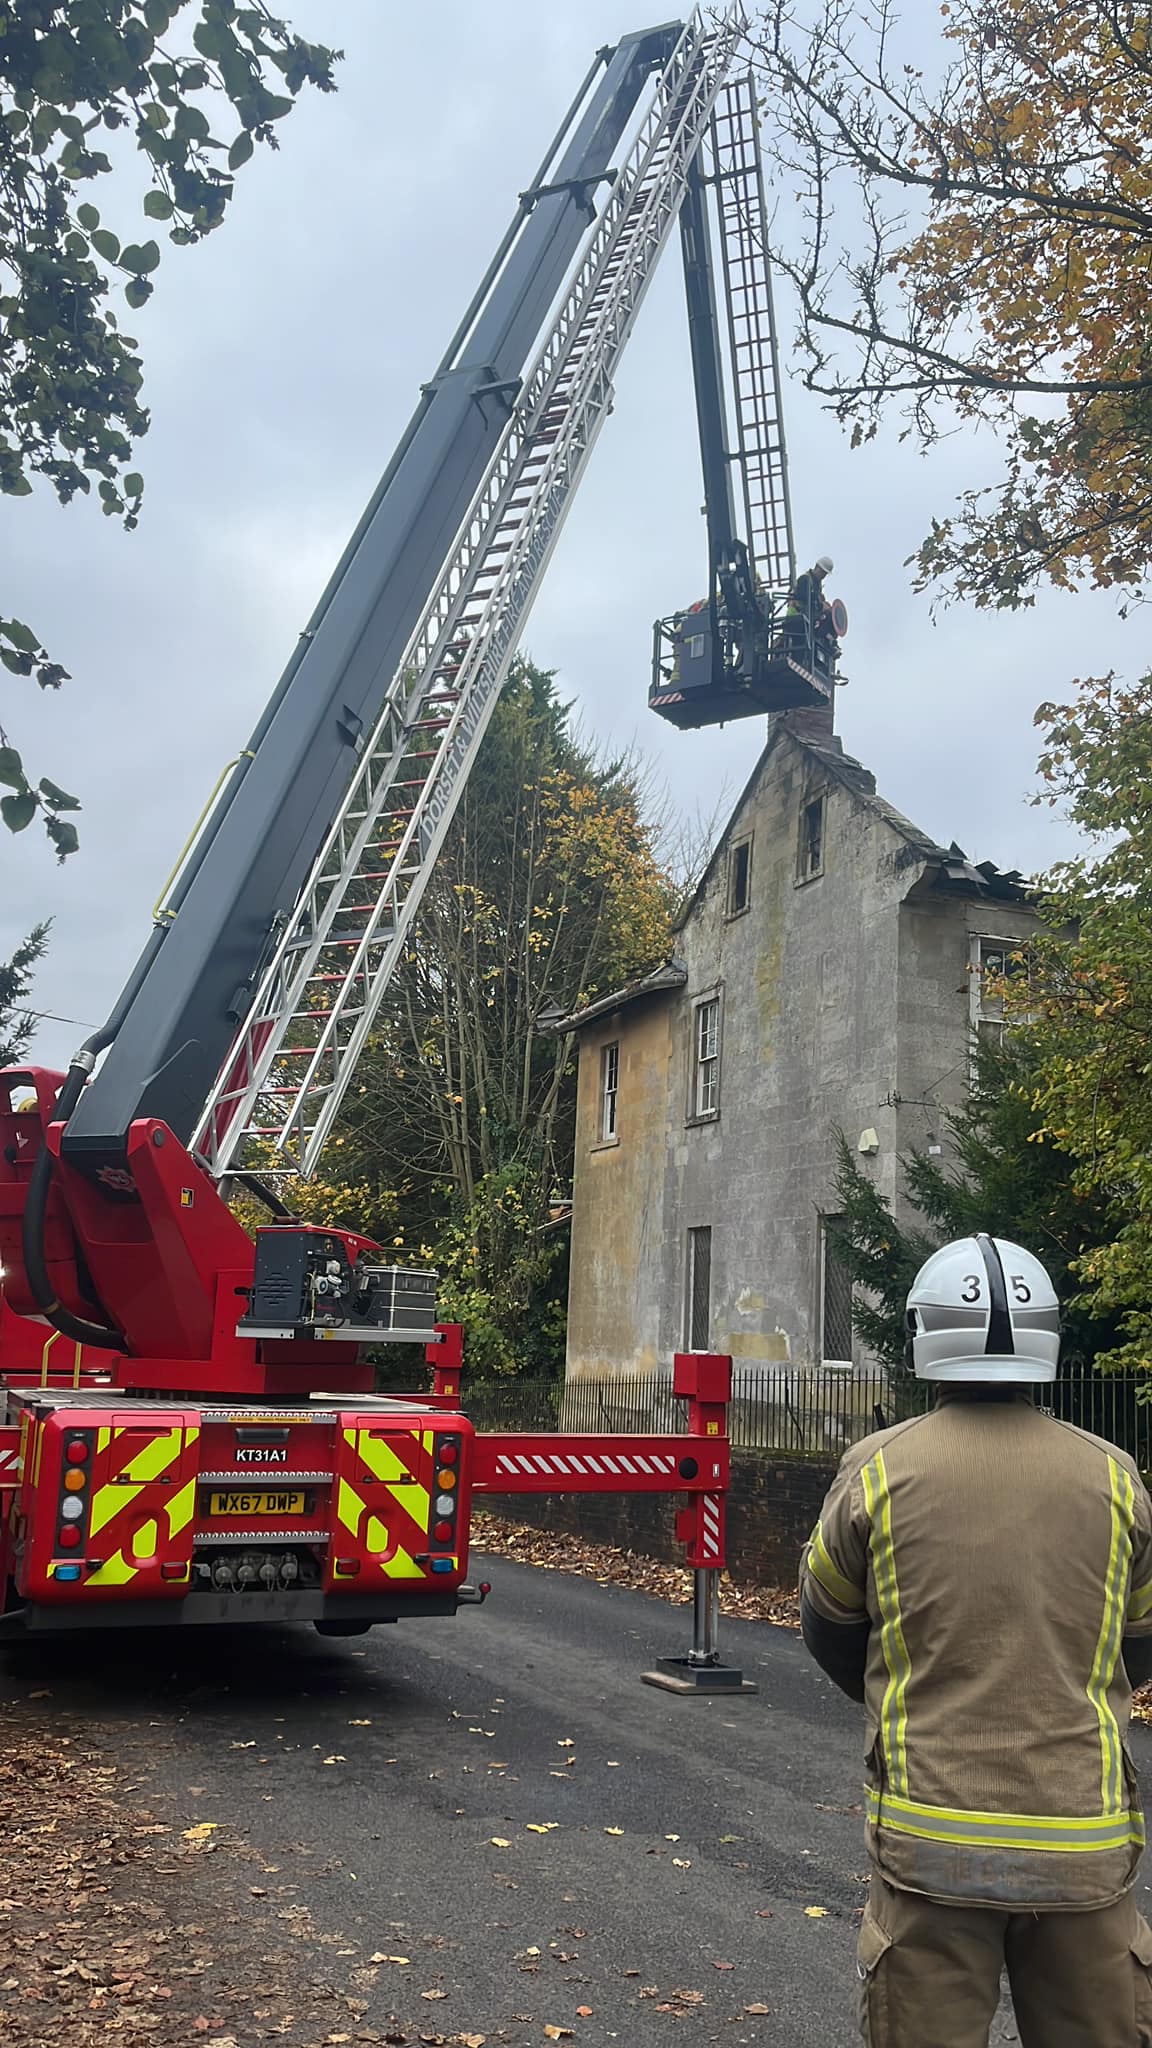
[(36, 1207)]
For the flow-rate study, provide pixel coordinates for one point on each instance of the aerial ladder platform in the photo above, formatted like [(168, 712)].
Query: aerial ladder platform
[(190, 1431)]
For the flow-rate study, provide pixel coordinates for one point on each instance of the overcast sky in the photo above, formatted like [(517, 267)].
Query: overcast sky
[(282, 361)]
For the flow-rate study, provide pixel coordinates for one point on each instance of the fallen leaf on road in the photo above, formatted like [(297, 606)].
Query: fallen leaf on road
[(335, 1759), (681, 1863), (499, 1842), (471, 2040), (816, 1912), (584, 2012), (360, 1724), (564, 1742), (557, 2033), (613, 1831), (433, 1994), (541, 1827), (380, 1957), (201, 1831), (671, 1838), (723, 1966), (757, 2011), (765, 1913), (612, 1764), (42, 1695), (243, 1745)]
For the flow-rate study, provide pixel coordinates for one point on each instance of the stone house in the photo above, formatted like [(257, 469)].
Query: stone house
[(828, 973)]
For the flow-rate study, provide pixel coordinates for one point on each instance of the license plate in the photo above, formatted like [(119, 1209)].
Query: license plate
[(261, 1503)]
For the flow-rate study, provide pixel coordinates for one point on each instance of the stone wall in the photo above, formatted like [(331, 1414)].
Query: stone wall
[(772, 1506)]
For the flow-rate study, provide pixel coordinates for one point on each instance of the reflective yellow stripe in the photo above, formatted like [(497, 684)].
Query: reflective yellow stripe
[(1117, 1829), (349, 1506), (894, 1712), (115, 1572), (1140, 1605), (1111, 1629), (180, 1509), (401, 1566), (155, 1457), (829, 1575)]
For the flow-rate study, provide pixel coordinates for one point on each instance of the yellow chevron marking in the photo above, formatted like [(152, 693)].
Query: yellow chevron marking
[(380, 1458), (416, 1501), (180, 1510), (377, 1536), (107, 1503), (144, 1539), (103, 1439), (401, 1566), (116, 1572), (155, 1457), (349, 1506), (427, 1440)]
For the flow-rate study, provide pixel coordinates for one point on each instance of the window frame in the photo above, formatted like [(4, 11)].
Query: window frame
[(828, 1364), (818, 800), (609, 1095), (699, 1237), (743, 845), (986, 1019), (712, 999)]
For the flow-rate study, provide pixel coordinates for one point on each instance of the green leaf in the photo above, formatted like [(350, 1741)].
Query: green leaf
[(19, 634), (65, 838), (57, 797), (12, 768), (106, 244), (88, 216), (140, 257), (15, 486), (137, 291), (19, 664), (240, 151), (158, 206), (18, 811), (133, 483)]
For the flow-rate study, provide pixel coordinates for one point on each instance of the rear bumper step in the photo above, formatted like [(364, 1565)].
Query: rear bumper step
[(220, 1609)]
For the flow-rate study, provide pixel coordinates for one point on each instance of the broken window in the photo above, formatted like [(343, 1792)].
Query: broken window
[(739, 877), (810, 859), (835, 1297), (698, 1301), (706, 1058), (609, 1088)]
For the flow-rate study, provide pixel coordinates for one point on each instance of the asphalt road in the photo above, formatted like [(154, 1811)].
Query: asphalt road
[(502, 1802)]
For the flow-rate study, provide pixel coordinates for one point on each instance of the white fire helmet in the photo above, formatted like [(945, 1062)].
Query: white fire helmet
[(983, 1310), (824, 564)]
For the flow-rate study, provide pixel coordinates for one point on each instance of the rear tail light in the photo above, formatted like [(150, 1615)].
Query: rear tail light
[(74, 1482), (71, 1509), (447, 1480), (448, 1454), (174, 1571), (76, 1452), (443, 1532), (68, 1538), (346, 1567)]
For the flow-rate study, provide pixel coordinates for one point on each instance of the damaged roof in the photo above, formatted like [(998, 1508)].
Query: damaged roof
[(955, 870), (670, 974)]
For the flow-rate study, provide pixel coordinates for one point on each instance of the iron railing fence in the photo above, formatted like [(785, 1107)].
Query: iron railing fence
[(810, 1413)]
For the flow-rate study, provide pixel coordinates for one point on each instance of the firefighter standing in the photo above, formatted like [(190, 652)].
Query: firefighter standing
[(981, 1577), (809, 615)]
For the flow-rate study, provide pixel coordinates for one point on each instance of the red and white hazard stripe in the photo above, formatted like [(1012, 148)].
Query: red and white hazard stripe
[(9, 1464), (710, 1523), (599, 1464)]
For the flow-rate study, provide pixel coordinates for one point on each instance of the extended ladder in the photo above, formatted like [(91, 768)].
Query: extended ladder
[(754, 355), (314, 1007)]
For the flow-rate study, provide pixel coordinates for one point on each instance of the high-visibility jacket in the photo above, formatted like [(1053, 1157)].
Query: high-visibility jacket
[(1000, 1558)]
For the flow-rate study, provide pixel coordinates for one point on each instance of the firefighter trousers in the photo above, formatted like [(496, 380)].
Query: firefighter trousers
[(930, 1974)]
